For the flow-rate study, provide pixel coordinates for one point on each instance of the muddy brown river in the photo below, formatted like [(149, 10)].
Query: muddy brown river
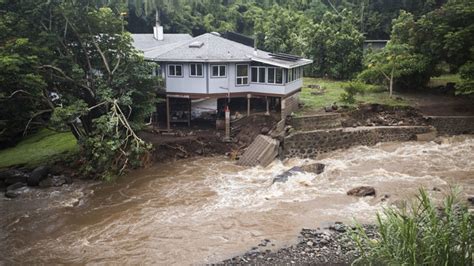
[(208, 209)]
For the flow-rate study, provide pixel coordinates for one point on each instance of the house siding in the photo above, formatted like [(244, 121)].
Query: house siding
[(219, 85)]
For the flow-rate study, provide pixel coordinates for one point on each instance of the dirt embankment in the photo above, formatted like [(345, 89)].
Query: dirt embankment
[(328, 246), (185, 142), (382, 115)]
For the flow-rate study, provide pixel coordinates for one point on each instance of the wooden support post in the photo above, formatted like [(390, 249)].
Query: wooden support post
[(248, 103), (268, 106), (168, 117), (282, 108), (227, 124), (189, 114)]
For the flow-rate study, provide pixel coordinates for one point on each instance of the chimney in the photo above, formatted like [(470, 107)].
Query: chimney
[(157, 29)]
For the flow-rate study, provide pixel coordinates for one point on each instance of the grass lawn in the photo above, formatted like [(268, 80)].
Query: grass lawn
[(333, 90), (443, 79), (41, 147)]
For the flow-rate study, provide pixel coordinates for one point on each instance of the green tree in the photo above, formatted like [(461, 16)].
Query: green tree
[(104, 85), (280, 30), (335, 45), (391, 63)]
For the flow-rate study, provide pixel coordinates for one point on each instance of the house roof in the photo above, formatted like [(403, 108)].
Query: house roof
[(208, 47), (145, 42)]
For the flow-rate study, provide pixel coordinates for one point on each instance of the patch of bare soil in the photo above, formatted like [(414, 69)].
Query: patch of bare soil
[(382, 115), (203, 140), (438, 104)]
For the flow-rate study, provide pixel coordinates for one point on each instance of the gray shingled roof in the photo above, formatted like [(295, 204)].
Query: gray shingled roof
[(145, 42), (214, 49)]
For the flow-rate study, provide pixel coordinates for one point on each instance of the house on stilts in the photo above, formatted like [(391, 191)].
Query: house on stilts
[(204, 74)]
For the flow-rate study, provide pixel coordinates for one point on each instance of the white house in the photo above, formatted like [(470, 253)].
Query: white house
[(210, 68)]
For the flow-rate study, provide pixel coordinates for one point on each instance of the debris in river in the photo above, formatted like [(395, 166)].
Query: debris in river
[(362, 191), (316, 168)]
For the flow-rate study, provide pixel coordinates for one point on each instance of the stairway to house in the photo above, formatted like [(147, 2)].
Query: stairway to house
[(262, 151)]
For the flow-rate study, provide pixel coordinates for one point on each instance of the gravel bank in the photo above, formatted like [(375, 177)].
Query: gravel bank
[(327, 246)]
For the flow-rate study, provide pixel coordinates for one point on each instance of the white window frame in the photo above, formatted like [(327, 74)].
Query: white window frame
[(196, 69), (219, 71), (282, 76), (237, 77), (174, 76), (274, 75), (258, 74)]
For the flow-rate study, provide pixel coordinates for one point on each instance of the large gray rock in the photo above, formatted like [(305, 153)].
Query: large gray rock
[(471, 199), (283, 177), (362, 191), (37, 175), (316, 168), (11, 177), (12, 190), (16, 186), (55, 181), (11, 194)]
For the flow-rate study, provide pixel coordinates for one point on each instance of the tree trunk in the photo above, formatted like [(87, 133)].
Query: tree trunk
[(391, 84)]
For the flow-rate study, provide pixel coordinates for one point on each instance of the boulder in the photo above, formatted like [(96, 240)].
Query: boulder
[(12, 190), (316, 168), (48, 182), (283, 177), (264, 130), (55, 181), (37, 175), (11, 194), (15, 186), (362, 191), (11, 177), (471, 199)]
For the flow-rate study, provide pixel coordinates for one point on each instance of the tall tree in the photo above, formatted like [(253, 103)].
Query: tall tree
[(335, 45), (104, 86)]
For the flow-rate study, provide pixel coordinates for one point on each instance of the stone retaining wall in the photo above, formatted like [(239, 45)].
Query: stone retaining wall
[(314, 122), (290, 104), (452, 125), (311, 143)]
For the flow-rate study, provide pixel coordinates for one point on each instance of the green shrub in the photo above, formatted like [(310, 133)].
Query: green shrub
[(420, 234), (351, 90)]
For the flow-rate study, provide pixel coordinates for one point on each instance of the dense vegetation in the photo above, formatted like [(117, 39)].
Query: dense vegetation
[(70, 65), (428, 37), (420, 233)]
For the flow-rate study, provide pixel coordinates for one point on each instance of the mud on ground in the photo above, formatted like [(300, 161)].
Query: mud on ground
[(382, 115), (199, 140)]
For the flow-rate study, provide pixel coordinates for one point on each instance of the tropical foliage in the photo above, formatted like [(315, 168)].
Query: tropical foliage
[(78, 70), (420, 233), (70, 65)]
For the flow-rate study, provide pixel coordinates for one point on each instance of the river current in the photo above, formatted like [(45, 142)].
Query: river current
[(208, 209)]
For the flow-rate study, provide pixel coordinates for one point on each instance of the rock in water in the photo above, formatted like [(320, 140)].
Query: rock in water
[(283, 177), (12, 190), (11, 194), (37, 176), (471, 199), (316, 168), (15, 186), (362, 191), (11, 177)]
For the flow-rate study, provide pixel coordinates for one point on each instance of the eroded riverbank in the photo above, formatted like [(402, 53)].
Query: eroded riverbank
[(208, 209)]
